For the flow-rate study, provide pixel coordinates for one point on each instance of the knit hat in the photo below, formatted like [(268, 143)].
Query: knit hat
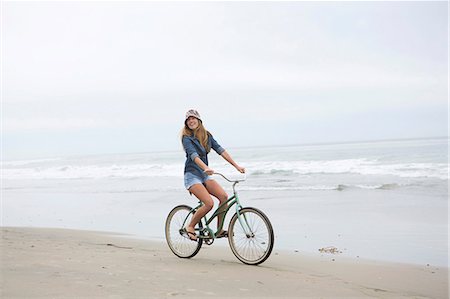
[(193, 113)]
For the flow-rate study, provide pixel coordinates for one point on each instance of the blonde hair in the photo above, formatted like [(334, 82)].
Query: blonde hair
[(200, 133)]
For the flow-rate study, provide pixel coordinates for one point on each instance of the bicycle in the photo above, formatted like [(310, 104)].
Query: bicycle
[(250, 233)]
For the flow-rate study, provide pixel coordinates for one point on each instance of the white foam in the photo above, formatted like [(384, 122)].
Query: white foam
[(339, 187), (13, 170), (27, 162), (95, 171), (349, 166)]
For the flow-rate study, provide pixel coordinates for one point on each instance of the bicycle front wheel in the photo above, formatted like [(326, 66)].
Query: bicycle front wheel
[(178, 241), (250, 236)]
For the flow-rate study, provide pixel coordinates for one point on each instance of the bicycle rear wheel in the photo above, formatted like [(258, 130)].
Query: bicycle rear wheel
[(251, 242), (178, 241)]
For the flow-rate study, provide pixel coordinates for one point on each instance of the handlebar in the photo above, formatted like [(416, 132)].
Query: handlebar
[(231, 181)]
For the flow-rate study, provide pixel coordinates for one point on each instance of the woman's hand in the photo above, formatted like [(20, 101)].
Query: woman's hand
[(209, 171), (240, 169)]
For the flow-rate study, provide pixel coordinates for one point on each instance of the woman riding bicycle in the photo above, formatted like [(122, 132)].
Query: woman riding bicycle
[(197, 143)]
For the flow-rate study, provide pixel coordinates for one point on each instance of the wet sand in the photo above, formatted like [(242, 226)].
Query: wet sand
[(61, 263)]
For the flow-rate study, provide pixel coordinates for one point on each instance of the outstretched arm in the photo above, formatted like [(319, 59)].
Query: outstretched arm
[(203, 166), (230, 160)]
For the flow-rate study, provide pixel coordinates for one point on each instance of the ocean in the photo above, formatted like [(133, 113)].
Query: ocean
[(384, 200)]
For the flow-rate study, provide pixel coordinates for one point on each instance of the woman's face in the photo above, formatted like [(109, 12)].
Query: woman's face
[(192, 122)]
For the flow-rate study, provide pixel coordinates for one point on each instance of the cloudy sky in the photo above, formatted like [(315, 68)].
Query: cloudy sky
[(116, 77)]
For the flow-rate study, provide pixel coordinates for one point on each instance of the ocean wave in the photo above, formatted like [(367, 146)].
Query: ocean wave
[(95, 171), (287, 188), (277, 169), (350, 166), (339, 187), (28, 162), (389, 186), (149, 189)]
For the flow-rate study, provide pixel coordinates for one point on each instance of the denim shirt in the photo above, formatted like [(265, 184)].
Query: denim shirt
[(194, 149)]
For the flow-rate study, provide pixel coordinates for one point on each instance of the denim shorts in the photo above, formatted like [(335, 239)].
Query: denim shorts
[(191, 179)]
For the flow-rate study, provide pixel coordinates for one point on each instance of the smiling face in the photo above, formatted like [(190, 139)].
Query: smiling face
[(192, 122)]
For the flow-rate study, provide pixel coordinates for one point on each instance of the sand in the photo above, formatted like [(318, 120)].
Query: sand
[(61, 263)]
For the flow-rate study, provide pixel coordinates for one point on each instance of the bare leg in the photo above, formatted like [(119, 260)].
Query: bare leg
[(217, 191), (203, 195)]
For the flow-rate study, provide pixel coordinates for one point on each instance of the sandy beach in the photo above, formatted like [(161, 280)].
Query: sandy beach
[(61, 263)]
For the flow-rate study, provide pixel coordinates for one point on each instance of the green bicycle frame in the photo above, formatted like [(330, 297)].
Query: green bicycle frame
[(233, 200)]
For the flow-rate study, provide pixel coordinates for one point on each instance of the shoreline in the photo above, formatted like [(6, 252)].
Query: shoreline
[(376, 228), (55, 262), (327, 255)]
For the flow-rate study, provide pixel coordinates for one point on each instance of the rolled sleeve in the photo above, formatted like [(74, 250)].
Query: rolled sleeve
[(216, 146), (194, 155), (189, 148)]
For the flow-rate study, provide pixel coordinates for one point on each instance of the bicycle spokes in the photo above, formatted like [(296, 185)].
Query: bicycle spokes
[(250, 232), (252, 239), (178, 241)]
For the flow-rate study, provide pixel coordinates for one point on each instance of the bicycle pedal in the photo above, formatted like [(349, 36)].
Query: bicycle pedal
[(208, 241), (223, 235)]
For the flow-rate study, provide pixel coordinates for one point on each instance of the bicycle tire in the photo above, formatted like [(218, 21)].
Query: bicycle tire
[(254, 249), (178, 243)]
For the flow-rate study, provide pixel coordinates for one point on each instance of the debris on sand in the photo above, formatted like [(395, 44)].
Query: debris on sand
[(330, 249)]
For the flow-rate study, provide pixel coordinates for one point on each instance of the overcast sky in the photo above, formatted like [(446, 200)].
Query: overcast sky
[(117, 77)]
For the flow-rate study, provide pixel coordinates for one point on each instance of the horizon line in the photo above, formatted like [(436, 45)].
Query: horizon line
[(240, 147)]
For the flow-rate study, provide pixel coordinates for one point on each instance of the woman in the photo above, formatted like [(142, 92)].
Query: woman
[(197, 143)]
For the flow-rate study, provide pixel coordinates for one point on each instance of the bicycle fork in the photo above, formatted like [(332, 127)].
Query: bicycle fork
[(244, 222)]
